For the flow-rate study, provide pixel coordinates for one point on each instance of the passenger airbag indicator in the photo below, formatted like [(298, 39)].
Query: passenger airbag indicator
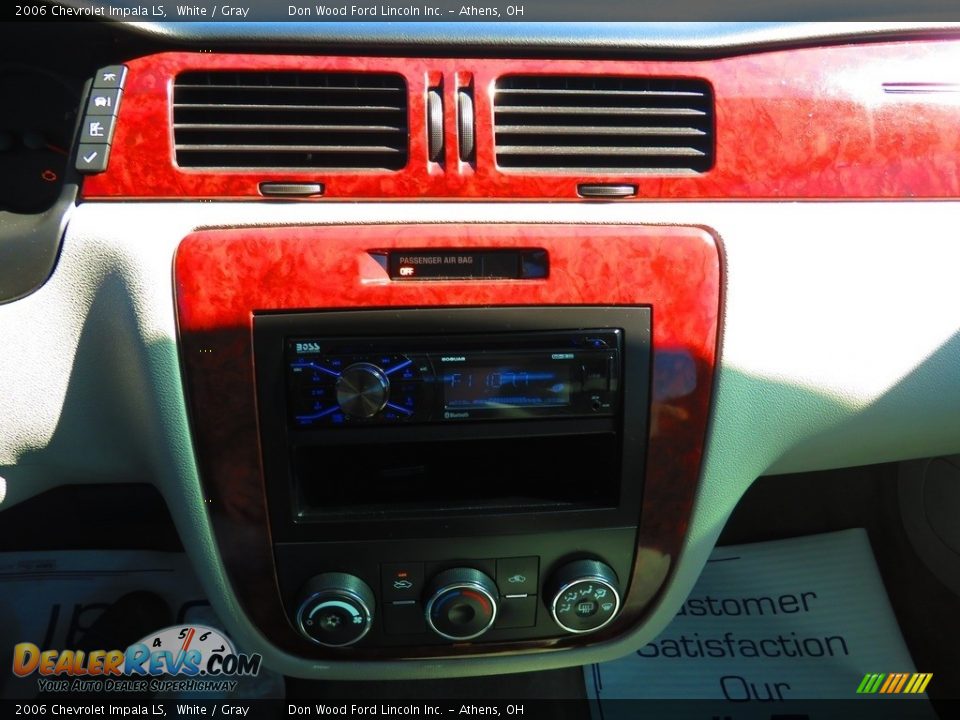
[(458, 264)]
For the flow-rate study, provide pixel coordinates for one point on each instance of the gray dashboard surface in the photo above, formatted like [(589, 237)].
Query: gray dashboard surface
[(841, 346)]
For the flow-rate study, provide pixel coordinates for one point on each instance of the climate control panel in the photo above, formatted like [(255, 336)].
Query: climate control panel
[(437, 602), (460, 604)]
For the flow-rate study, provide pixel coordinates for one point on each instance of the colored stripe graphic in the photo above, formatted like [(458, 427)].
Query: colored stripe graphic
[(901, 681), (891, 680), (914, 682), (871, 683), (894, 683)]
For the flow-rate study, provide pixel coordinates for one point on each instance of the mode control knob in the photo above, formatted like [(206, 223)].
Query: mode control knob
[(462, 604), (583, 596), (362, 390), (335, 609)]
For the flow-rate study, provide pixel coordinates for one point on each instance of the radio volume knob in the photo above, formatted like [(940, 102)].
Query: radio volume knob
[(362, 390)]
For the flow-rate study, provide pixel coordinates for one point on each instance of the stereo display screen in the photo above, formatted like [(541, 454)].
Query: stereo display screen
[(482, 387)]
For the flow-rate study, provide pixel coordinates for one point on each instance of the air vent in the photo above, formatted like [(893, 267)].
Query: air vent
[(312, 120), (604, 124)]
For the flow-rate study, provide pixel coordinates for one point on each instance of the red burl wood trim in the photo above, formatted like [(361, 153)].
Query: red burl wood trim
[(223, 276), (804, 123)]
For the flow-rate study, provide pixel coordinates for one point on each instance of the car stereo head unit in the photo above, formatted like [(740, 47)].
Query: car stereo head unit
[(384, 381), (427, 422)]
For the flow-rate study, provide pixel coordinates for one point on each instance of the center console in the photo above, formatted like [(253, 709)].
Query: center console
[(404, 457), (438, 475)]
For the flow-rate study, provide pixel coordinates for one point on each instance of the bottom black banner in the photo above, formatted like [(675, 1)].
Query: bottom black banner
[(867, 709)]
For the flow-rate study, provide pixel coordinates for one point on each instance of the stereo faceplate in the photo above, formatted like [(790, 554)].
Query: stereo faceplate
[(349, 382)]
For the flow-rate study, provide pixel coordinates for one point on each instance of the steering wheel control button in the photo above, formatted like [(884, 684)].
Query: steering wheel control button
[(112, 76), (335, 609), (362, 390), (401, 581), (583, 596), (517, 612), (462, 604), (517, 576)]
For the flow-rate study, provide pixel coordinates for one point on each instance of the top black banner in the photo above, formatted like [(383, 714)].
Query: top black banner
[(494, 11)]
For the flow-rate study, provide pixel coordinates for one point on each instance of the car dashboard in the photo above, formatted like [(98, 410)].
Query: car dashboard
[(454, 359)]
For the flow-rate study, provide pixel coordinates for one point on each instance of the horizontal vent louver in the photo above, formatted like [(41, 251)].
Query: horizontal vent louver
[(604, 124), (310, 120)]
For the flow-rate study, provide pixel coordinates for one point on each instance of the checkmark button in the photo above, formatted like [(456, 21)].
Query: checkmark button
[(92, 158)]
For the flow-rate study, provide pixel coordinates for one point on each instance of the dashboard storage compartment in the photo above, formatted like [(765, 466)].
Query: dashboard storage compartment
[(551, 472)]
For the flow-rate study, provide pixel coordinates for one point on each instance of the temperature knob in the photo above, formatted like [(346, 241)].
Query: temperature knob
[(362, 390), (335, 609), (583, 596), (462, 604)]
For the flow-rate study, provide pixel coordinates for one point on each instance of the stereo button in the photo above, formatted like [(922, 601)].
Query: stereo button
[(333, 365), (403, 399), (318, 371), (596, 376), (309, 408), (399, 368), (408, 373)]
